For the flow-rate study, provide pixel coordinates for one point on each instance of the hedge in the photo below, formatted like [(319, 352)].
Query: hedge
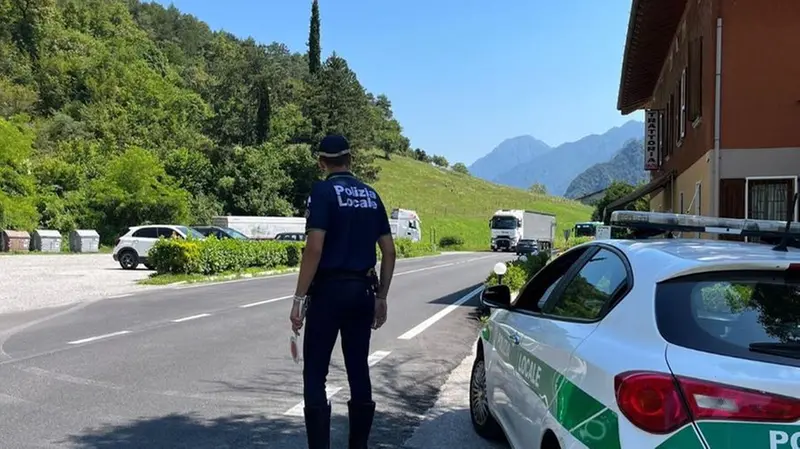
[(451, 241), (213, 256)]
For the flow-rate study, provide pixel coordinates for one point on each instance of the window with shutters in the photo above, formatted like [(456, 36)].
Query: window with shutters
[(682, 111), (695, 88)]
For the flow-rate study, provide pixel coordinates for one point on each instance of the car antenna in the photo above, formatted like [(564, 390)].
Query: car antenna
[(787, 236)]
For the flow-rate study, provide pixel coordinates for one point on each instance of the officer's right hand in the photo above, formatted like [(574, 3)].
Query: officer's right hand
[(380, 313)]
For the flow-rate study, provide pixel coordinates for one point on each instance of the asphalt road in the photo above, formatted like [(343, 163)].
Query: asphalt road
[(208, 367)]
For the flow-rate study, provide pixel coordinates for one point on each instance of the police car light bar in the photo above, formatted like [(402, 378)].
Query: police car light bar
[(698, 223)]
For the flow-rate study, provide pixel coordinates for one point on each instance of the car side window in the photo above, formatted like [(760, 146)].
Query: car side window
[(146, 233), (549, 292), (167, 232), (541, 286), (592, 287)]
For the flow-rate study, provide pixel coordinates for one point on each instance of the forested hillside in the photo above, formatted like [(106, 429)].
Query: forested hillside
[(626, 166), (116, 112)]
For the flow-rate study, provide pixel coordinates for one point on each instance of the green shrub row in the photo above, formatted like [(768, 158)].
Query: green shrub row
[(406, 248), (213, 256), (451, 242)]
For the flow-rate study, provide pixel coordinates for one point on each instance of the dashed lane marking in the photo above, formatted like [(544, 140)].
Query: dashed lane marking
[(190, 318), (98, 337), (419, 328)]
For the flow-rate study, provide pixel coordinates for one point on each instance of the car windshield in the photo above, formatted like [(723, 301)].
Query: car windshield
[(190, 232), (504, 223), (235, 234), (731, 314)]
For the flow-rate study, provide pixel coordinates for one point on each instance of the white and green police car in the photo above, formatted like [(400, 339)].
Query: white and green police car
[(669, 343)]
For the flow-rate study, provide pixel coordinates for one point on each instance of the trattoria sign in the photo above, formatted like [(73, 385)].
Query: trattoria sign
[(652, 138)]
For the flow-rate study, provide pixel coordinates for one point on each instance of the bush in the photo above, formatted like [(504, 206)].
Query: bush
[(519, 272), (451, 241), (406, 248), (213, 256)]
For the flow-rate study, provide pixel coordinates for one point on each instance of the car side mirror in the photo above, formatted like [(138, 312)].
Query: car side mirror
[(496, 296)]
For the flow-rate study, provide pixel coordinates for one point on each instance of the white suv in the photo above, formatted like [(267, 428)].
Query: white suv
[(131, 249)]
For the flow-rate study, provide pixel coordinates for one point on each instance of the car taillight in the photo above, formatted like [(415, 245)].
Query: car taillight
[(661, 403), (116, 242)]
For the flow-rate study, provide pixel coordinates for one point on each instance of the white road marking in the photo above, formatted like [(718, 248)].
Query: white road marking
[(190, 318), (268, 301), (253, 304), (297, 410), (125, 295), (419, 328), (98, 337), (377, 356), (373, 360), (426, 268)]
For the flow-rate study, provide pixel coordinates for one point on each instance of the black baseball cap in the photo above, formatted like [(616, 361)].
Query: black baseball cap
[(334, 145)]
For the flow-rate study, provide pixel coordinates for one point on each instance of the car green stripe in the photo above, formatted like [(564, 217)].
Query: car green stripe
[(583, 416), (686, 438), (586, 418)]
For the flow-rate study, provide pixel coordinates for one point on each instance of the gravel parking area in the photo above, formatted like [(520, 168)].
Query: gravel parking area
[(29, 282)]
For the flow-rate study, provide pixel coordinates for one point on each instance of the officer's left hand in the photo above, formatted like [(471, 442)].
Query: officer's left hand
[(296, 318)]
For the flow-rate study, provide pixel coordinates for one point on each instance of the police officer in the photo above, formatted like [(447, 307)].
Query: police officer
[(344, 220)]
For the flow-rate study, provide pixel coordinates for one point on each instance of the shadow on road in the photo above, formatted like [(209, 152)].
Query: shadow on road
[(404, 389), (455, 296)]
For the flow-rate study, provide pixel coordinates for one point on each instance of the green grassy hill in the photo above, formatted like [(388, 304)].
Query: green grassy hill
[(454, 204)]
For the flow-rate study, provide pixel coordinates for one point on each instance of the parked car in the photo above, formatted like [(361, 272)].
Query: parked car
[(132, 247), (526, 246), (291, 237), (220, 233), (661, 343)]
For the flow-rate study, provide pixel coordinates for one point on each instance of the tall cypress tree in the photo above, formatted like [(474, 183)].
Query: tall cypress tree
[(314, 50)]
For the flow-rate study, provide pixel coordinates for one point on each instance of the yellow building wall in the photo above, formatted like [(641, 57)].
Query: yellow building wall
[(669, 198)]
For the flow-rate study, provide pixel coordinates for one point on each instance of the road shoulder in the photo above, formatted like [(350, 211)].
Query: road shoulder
[(447, 423)]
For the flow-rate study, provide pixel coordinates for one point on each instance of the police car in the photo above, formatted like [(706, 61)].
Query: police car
[(668, 343)]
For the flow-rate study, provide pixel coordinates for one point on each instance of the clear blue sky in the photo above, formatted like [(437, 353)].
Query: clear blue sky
[(462, 75)]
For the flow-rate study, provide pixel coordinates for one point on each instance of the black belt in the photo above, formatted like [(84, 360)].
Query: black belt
[(336, 274)]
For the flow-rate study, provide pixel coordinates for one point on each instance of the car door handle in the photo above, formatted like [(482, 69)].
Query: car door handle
[(514, 338)]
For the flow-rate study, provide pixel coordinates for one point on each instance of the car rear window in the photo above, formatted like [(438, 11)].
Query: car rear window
[(727, 312)]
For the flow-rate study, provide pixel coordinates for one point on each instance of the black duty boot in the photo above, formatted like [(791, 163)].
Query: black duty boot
[(318, 426), (361, 416)]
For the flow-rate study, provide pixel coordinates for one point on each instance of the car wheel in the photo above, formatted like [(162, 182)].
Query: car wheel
[(482, 420), (128, 260)]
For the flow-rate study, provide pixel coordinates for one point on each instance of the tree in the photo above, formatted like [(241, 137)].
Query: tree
[(615, 191), (440, 161), (314, 49), (538, 188), (460, 167), (421, 155)]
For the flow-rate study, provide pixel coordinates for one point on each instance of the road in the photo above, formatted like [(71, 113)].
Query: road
[(207, 366)]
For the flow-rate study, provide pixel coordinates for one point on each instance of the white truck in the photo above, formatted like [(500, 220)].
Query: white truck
[(261, 227), (509, 226), (405, 224)]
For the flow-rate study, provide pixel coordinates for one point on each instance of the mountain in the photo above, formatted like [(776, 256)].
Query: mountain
[(559, 166), (627, 165), (510, 153)]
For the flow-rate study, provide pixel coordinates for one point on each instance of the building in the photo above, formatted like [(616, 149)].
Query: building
[(722, 98)]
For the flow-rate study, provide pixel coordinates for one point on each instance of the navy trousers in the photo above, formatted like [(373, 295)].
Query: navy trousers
[(345, 307)]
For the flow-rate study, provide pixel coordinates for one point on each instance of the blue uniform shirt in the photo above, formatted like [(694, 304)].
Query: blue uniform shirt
[(353, 217)]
